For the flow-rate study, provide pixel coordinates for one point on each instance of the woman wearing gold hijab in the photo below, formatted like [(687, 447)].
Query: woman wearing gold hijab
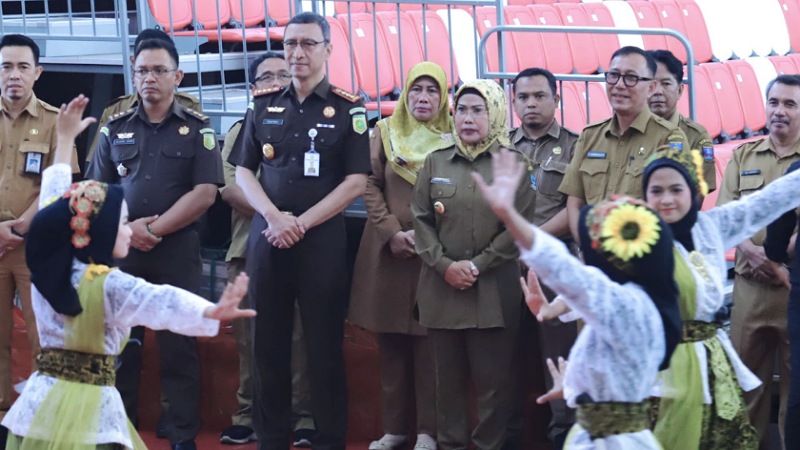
[(469, 295), (387, 267)]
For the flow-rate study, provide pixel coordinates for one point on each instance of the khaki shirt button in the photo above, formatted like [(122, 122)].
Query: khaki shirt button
[(616, 164)]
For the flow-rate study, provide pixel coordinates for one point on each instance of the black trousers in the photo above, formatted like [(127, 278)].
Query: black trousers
[(314, 272), (174, 261), (792, 425)]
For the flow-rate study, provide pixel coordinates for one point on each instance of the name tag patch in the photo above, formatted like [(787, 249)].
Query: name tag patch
[(745, 173), (273, 122), (596, 155), (125, 141), (437, 180), (676, 145)]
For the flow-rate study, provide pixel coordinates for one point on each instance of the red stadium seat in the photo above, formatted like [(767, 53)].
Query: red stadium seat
[(572, 106), (672, 17), (279, 11), (341, 70), (698, 32), (707, 110), (791, 12), (211, 15), (599, 107), (648, 17), (393, 7), (432, 31), (584, 50), (722, 156), (537, 2), (606, 44), (370, 53), (556, 45), (171, 15), (485, 18), (783, 65), (795, 57), (530, 50), (730, 108), (396, 28), (749, 93), (341, 8), (251, 15)]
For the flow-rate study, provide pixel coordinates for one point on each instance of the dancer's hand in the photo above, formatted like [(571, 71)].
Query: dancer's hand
[(70, 123), (538, 303), (228, 306), (557, 373), (507, 172)]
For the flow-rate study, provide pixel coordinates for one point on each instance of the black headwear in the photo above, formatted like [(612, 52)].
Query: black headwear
[(686, 163), (83, 225), (653, 270)]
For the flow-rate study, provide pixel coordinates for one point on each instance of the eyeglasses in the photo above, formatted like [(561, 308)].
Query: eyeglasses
[(270, 77), (630, 79), (307, 46), (158, 72)]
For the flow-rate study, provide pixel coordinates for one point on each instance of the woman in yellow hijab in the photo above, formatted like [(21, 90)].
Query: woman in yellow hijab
[(469, 296), (387, 266)]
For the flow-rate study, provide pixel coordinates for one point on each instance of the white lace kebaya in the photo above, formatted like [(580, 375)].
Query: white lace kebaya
[(128, 302)]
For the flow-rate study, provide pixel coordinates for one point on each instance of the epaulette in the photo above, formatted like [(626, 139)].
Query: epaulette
[(597, 124), (266, 91), (570, 131), (352, 98), (121, 114), (750, 144), (196, 114), (48, 107), (693, 125), (238, 122)]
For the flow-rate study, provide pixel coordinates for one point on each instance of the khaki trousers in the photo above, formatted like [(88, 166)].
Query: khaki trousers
[(14, 276), (408, 384), (243, 333), (759, 335)]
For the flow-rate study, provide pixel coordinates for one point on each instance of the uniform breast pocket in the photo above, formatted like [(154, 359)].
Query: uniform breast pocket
[(594, 173), (632, 183), (549, 176), (270, 130), (177, 161), (442, 190), (749, 183), (125, 158), (32, 157)]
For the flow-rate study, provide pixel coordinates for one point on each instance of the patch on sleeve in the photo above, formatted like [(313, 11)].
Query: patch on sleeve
[(209, 138), (104, 130)]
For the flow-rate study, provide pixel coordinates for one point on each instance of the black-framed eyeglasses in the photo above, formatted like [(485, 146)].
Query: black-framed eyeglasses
[(629, 79), (270, 77), (307, 45), (158, 72)]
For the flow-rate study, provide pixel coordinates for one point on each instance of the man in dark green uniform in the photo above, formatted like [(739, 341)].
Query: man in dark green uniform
[(310, 142), (167, 160), (547, 148), (664, 103), (126, 102)]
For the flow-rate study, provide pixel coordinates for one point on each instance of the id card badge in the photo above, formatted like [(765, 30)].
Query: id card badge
[(311, 164), (311, 159), (33, 163)]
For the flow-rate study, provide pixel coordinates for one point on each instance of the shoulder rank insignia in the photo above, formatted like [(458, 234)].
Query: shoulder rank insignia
[(276, 109), (121, 114), (197, 114), (209, 138), (261, 92), (352, 98)]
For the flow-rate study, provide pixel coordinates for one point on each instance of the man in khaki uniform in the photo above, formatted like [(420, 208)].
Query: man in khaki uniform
[(266, 71), (610, 155), (126, 102), (28, 144), (547, 148), (664, 103), (758, 321)]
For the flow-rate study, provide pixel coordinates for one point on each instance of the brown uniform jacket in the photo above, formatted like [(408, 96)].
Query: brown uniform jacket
[(240, 225), (547, 160), (126, 102), (27, 147), (464, 228), (699, 140), (385, 287), (753, 166), (607, 162)]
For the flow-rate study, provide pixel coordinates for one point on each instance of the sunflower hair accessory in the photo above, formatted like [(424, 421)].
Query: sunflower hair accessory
[(86, 198), (623, 228), (692, 160)]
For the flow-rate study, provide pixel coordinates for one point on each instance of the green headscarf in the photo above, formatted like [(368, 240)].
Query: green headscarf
[(495, 99), (406, 140)]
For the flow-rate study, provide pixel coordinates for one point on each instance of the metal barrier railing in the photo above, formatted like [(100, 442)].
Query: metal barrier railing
[(483, 71)]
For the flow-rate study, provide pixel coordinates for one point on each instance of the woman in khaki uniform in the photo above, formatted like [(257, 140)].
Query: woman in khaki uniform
[(387, 267), (469, 295)]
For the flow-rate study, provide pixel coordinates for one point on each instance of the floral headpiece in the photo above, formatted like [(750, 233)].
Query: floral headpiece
[(623, 228), (692, 160), (85, 201)]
